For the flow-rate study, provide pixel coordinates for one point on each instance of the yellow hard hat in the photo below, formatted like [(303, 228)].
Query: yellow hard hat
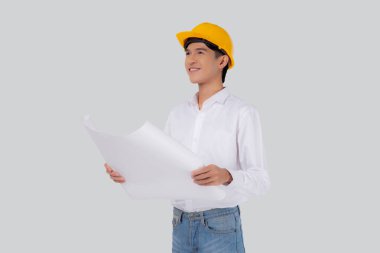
[(212, 33)]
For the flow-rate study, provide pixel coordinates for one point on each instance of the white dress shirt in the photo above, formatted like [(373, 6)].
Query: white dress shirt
[(225, 132)]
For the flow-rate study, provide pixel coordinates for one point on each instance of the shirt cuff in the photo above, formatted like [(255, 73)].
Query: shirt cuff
[(236, 179)]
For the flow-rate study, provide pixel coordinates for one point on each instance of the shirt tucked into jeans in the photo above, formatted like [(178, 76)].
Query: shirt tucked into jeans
[(225, 132)]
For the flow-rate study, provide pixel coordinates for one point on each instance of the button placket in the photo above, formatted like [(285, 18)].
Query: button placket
[(197, 131)]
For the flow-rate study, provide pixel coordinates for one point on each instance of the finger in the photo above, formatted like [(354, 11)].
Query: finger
[(206, 174), (115, 174), (108, 168), (202, 176), (200, 171), (122, 180), (208, 181), (118, 177)]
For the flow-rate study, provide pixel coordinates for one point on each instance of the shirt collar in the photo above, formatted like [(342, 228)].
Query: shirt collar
[(219, 97)]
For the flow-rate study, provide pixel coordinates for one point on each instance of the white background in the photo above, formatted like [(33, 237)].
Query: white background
[(310, 67)]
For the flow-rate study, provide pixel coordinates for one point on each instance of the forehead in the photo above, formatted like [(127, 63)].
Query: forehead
[(197, 46)]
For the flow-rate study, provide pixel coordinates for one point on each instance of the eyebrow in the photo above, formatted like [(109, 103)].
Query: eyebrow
[(199, 48)]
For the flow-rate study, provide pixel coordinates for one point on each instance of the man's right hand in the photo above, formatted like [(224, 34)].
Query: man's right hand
[(115, 176)]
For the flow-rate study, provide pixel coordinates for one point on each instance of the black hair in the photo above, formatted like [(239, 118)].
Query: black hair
[(212, 46)]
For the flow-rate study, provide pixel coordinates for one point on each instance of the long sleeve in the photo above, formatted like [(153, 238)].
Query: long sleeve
[(253, 178)]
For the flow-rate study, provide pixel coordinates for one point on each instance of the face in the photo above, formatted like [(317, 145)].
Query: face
[(201, 64)]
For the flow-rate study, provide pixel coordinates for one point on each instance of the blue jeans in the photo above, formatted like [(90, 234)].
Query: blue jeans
[(217, 230)]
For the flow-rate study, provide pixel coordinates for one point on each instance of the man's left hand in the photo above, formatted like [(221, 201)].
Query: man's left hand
[(211, 175)]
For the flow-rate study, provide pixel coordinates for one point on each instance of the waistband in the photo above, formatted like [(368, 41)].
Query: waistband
[(205, 214)]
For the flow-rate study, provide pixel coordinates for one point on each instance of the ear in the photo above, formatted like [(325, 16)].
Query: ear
[(224, 59)]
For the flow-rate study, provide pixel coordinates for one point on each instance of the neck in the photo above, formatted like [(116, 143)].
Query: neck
[(206, 90)]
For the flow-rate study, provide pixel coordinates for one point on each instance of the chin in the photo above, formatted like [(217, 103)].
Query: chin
[(195, 80)]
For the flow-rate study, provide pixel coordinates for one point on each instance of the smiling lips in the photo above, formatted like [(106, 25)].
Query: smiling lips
[(194, 69)]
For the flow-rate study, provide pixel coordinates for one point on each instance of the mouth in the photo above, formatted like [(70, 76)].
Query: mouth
[(193, 69)]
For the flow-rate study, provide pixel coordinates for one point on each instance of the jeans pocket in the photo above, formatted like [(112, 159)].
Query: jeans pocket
[(175, 220), (222, 224)]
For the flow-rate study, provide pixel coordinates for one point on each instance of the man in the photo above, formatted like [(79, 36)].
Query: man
[(225, 132)]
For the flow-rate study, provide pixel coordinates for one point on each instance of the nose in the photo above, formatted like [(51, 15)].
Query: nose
[(190, 60)]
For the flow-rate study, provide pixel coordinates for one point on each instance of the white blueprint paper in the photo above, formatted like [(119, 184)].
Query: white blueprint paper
[(154, 164)]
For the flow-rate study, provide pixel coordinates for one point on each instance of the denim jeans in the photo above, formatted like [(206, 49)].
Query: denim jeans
[(217, 230)]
